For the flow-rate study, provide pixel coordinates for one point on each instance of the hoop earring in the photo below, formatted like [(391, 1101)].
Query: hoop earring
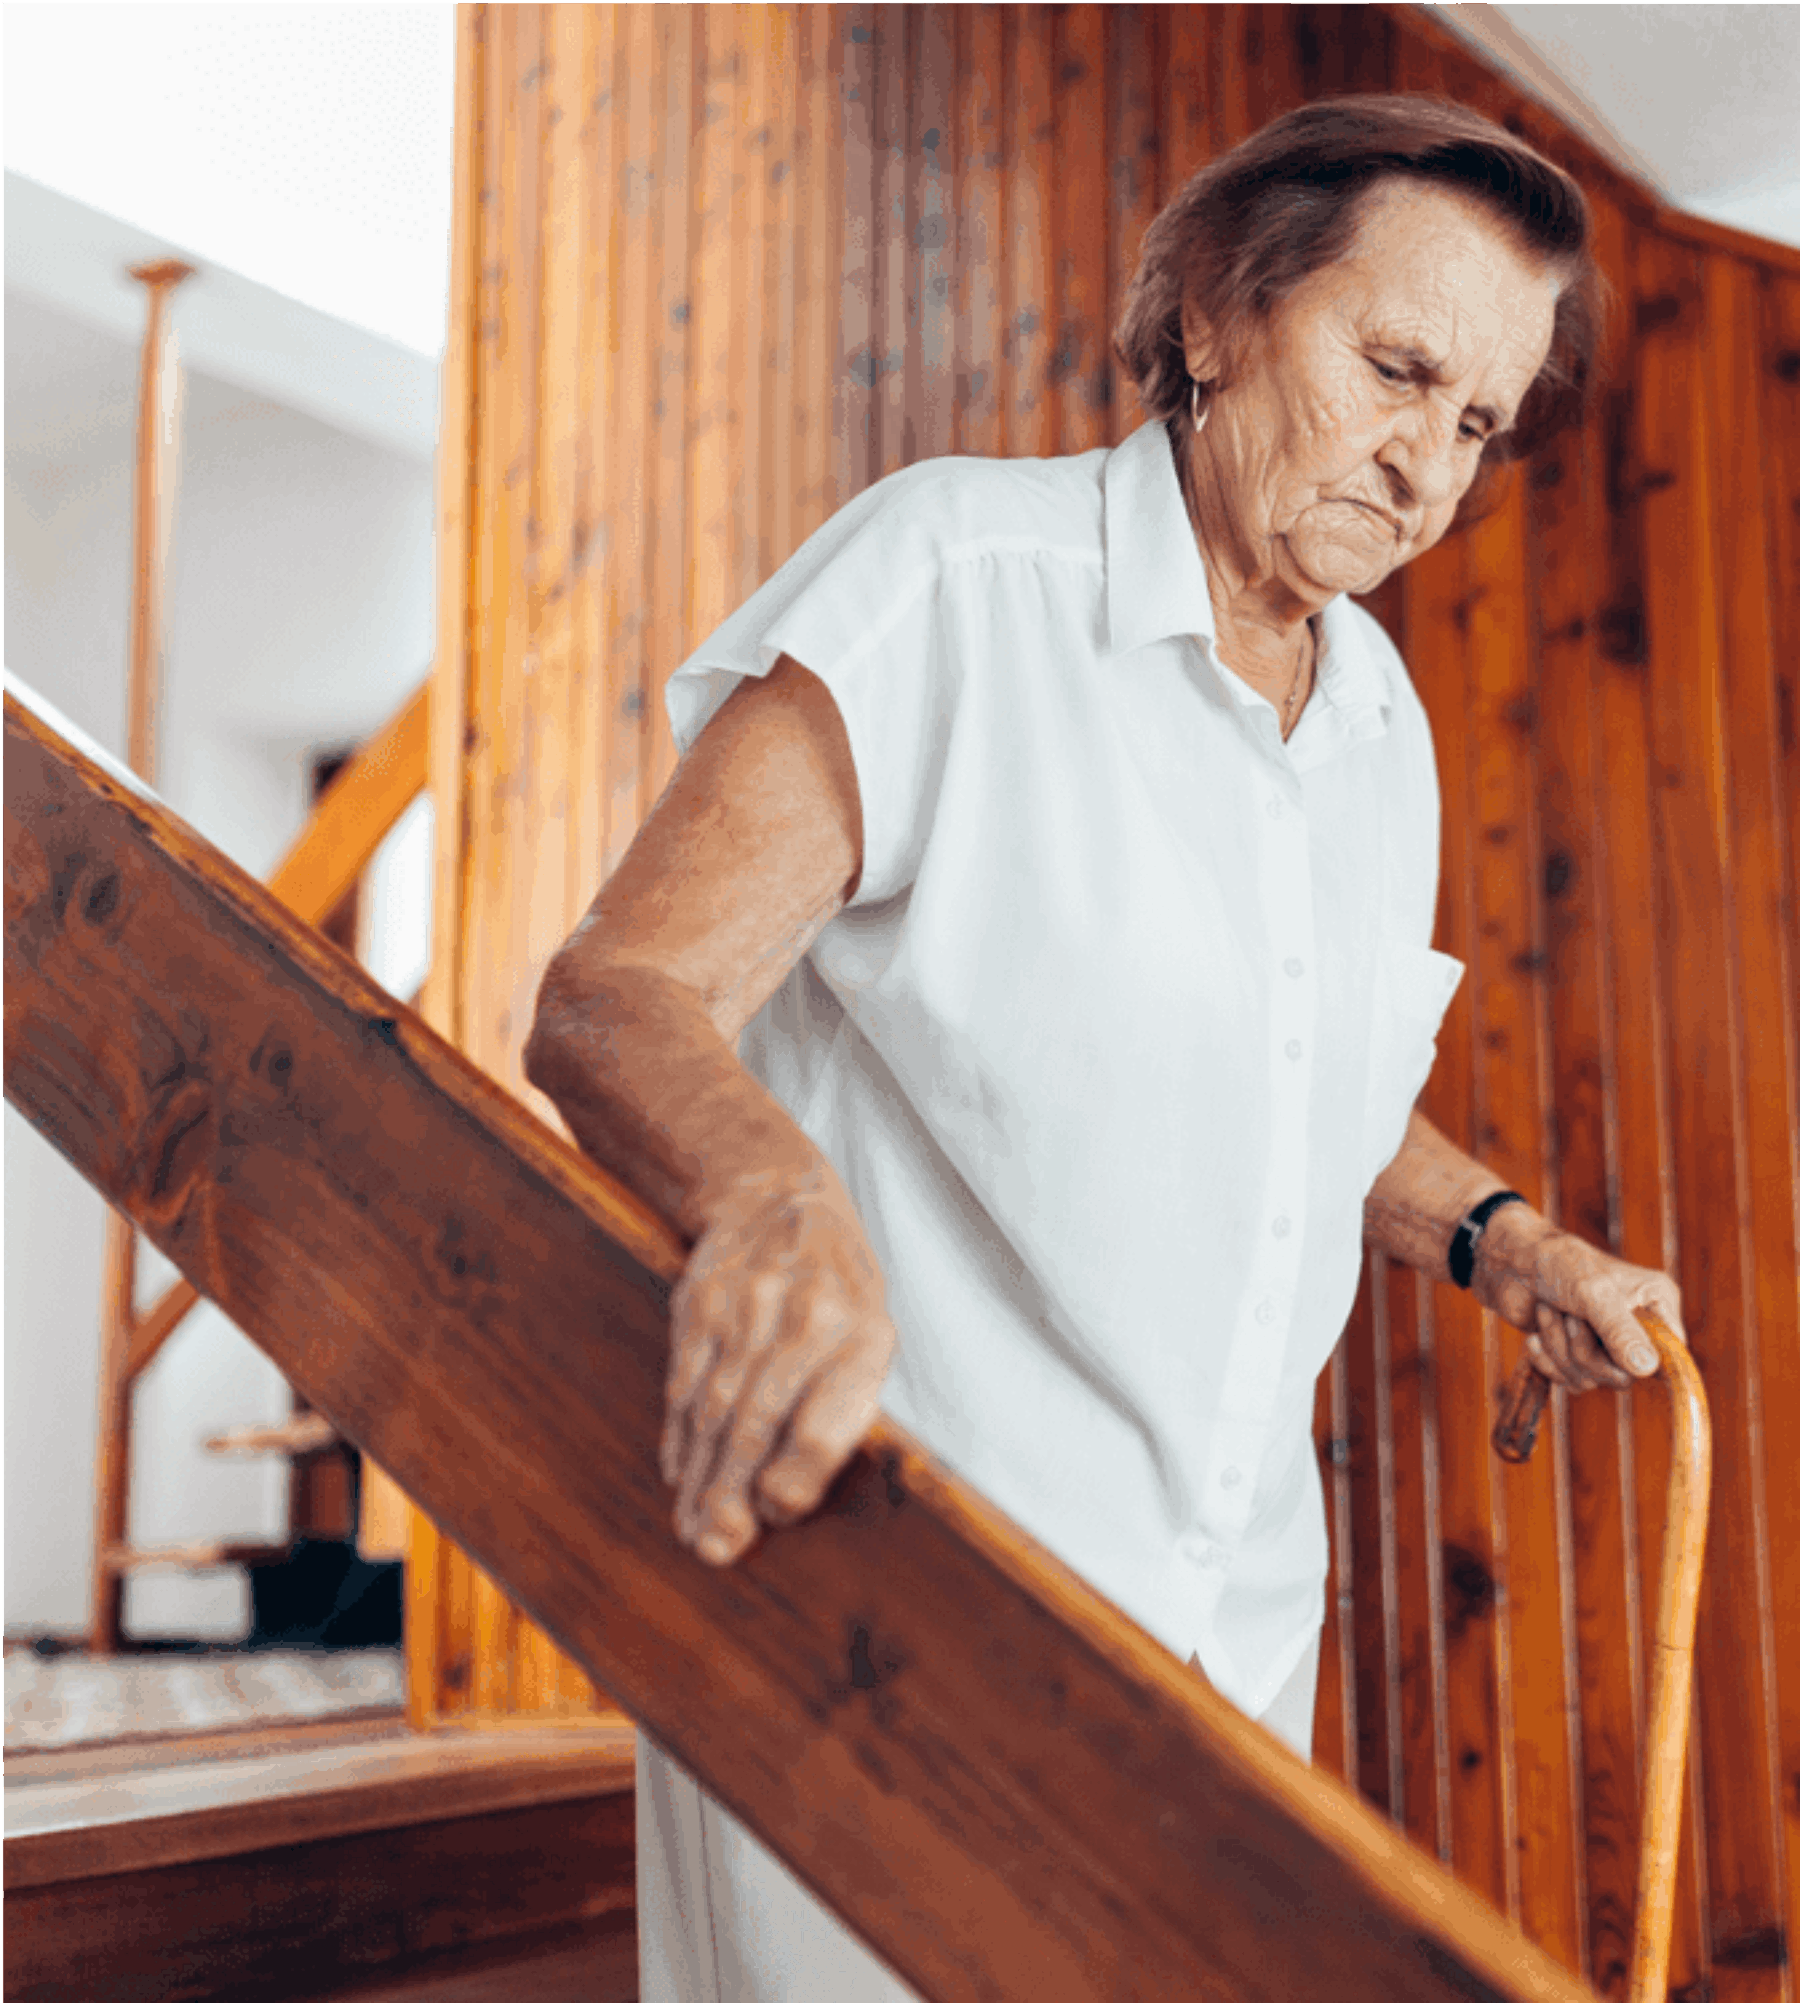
[(1195, 410)]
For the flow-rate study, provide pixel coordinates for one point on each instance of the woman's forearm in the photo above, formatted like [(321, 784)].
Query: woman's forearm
[(1426, 1191), (653, 1092)]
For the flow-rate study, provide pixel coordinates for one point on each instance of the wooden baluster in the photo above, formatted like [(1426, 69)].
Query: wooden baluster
[(153, 518)]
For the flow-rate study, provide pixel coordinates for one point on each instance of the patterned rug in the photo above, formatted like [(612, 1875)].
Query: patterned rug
[(70, 1700)]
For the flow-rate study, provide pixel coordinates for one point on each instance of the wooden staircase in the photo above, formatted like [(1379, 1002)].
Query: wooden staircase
[(336, 1861), (1004, 1786)]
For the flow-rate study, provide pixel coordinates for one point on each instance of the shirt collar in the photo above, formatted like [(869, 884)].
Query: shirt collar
[(1156, 584)]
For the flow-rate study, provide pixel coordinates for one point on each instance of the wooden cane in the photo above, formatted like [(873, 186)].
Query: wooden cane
[(1671, 1685)]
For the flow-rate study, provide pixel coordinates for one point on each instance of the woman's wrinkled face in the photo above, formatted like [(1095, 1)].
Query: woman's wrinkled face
[(1355, 420)]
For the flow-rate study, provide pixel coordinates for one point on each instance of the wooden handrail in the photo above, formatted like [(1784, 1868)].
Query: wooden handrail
[(358, 812), (998, 1781), (1522, 1405)]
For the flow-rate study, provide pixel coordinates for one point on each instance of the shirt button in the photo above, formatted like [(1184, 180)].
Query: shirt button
[(1195, 1549), (1281, 1227), (1293, 1047), (1265, 1312), (1293, 968), (1231, 1477)]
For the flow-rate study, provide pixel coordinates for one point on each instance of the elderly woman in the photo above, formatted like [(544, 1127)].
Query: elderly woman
[(1022, 990)]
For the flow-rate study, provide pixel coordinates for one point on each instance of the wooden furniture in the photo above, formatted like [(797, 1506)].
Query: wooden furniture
[(1000, 1783)]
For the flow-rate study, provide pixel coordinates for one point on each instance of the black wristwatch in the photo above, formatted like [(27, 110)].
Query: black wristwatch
[(1468, 1234)]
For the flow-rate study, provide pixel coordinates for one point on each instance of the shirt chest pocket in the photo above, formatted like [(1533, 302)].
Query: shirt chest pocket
[(1411, 990)]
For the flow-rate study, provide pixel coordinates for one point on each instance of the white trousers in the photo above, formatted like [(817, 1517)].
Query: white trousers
[(721, 1920)]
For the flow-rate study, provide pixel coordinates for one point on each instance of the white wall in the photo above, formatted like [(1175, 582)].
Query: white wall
[(300, 618)]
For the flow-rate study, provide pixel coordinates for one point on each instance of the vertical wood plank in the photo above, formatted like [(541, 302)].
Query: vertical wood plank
[(1334, 1708), (671, 339), (980, 226), (1779, 428), (853, 416), (777, 448), (1540, 1799), (820, 210), (931, 350), (1191, 133), (1028, 197), (1134, 64), (895, 271), (1080, 380), (711, 475), (1686, 614), (1370, 1539)]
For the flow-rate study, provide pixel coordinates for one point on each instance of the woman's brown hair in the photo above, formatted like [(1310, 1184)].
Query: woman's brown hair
[(1241, 234)]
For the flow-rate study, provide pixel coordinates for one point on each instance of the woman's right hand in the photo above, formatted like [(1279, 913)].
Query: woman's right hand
[(781, 1343)]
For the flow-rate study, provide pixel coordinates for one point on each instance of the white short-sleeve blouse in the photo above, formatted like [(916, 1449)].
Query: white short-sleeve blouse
[(1126, 1013)]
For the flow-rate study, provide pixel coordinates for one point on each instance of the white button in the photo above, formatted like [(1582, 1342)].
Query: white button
[(1265, 1312), (1231, 1477), (1282, 1226), (1274, 810), (1294, 968), (1293, 1046), (1195, 1549)]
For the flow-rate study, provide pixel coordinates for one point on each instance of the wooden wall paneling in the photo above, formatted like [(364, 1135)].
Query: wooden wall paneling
[(449, 1667), (981, 367), (500, 986), (1190, 125), (1370, 1543), (1228, 77), (1643, 1057), (670, 340), (1463, 1369), (1779, 429), (552, 494), (591, 252), (1277, 79), (1568, 535), (1381, 1295), (819, 221), (1134, 68), (1730, 1785), (1419, 1584), (853, 404), (712, 517), (451, 683), (1745, 1870), (1079, 380), (1334, 1702), (776, 450), (746, 388), (931, 349), (1534, 1631), (1028, 196), (1342, 49), (628, 180), (1760, 912), (896, 29)]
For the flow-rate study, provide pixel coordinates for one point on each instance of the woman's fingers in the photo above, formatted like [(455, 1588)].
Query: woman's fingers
[(827, 1426), (722, 1517), (759, 1304)]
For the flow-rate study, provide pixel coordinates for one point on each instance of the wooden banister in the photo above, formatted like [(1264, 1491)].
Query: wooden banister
[(329, 855), (996, 1779)]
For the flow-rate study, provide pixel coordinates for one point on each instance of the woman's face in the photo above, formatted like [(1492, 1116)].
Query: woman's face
[(1355, 421)]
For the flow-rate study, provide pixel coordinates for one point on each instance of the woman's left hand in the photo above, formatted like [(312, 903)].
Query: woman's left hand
[(1577, 1304)]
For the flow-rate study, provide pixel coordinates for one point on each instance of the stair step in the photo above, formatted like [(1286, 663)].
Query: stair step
[(303, 1433), (197, 1557), (425, 1865)]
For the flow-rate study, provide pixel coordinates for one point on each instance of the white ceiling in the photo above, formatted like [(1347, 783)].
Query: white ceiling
[(1703, 102)]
